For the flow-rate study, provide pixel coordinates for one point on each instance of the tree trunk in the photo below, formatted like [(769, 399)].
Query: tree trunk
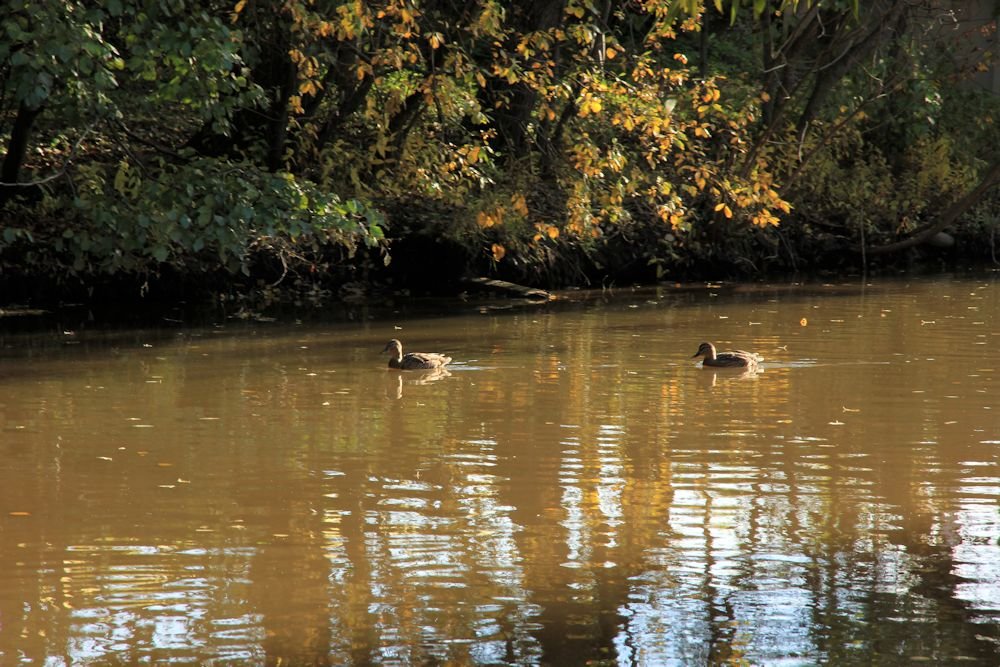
[(277, 126), (843, 58), (511, 105), (17, 148)]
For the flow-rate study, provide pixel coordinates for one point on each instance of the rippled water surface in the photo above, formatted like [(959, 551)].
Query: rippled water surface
[(575, 489)]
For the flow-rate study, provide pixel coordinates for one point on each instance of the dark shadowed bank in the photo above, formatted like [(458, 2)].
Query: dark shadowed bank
[(418, 259)]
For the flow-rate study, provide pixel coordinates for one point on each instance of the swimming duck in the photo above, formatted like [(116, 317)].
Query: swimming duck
[(413, 360), (732, 359)]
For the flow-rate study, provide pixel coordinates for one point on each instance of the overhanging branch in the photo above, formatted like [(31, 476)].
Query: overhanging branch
[(948, 217)]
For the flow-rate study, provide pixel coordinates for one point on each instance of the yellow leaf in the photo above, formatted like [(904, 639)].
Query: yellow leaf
[(553, 232), (520, 204), (498, 252), (609, 53), (473, 155), (719, 207), (726, 211)]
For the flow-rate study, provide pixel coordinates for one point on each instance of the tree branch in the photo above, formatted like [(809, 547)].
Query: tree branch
[(948, 217)]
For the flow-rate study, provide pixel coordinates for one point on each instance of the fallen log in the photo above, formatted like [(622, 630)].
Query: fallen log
[(510, 289)]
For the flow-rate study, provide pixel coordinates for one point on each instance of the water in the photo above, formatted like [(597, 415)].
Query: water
[(574, 489)]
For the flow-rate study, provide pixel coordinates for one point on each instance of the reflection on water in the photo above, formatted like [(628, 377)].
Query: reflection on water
[(573, 488), (396, 379)]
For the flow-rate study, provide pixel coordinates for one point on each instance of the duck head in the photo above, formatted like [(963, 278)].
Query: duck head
[(705, 350)]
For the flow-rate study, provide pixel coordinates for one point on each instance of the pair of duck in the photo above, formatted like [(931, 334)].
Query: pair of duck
[(428, 360)]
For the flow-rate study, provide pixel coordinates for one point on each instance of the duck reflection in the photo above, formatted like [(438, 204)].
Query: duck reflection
[(714, 378), (395, 380)]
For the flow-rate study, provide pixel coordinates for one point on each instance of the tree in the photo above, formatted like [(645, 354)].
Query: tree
[(110, 95)]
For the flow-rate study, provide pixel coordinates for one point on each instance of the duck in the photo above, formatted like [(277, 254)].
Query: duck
[(413, 360), (731, 359)]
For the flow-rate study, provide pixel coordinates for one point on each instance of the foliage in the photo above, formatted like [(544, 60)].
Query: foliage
[(202, 213), (122, 202), (565, 138), (539, 121)]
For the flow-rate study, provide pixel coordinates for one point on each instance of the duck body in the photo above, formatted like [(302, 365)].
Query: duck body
[(731, 359), (413, 360)]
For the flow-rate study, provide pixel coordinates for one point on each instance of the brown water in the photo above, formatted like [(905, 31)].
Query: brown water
[(576, 489)]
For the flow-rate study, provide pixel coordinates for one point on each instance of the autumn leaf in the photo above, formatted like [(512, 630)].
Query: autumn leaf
[(519, 204), (498, 252)]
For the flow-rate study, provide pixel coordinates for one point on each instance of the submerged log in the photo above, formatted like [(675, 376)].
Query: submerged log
[(506, 288)]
